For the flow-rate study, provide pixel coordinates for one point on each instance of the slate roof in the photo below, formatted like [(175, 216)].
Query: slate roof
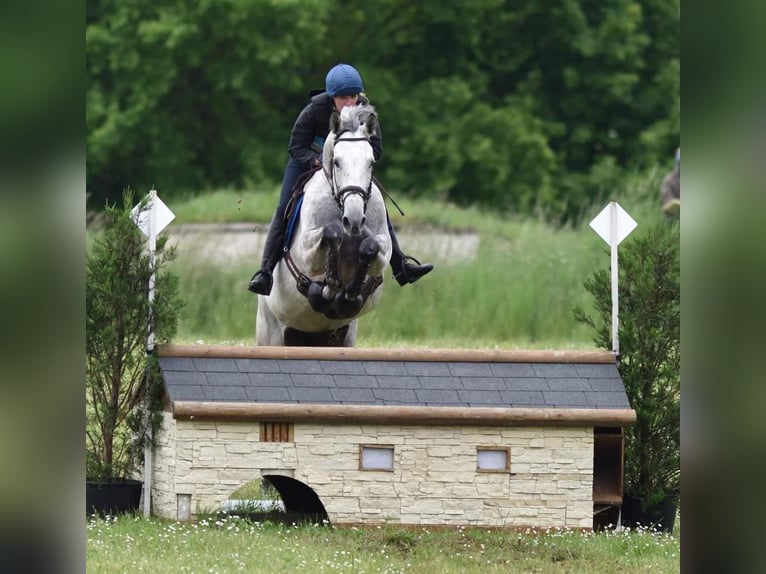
[(394, 382)]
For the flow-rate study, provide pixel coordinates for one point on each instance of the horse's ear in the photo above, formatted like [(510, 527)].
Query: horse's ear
[(335, 122), (371, 124)]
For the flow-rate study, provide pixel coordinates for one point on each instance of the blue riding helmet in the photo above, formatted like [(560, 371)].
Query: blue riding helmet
[(342, 80)]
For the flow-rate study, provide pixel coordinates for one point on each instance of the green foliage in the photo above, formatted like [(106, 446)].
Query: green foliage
[(650, 354), (524, 106), (120, 379)]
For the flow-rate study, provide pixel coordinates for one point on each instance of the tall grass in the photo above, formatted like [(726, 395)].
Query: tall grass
[(516, 292)]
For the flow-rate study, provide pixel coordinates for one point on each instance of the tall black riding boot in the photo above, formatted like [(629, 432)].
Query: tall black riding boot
[(262, 281), (404, 271)]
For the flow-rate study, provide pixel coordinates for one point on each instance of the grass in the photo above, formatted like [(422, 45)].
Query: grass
[(131, 544), (518, 292)]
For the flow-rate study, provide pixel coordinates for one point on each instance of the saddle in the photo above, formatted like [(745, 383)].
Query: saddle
[(293, 208)]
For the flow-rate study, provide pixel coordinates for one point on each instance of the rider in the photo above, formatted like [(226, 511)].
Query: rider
[(343, 87)]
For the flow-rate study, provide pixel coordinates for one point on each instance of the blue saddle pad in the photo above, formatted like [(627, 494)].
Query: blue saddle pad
[(294, 215)]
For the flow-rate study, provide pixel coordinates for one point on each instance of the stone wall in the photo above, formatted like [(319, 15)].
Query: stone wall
[(434, 479)]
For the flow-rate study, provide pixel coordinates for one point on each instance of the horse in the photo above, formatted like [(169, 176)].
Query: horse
[(331, 272)]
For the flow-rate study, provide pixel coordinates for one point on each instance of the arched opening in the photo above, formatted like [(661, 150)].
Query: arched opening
[(300, 501), (276, 498)]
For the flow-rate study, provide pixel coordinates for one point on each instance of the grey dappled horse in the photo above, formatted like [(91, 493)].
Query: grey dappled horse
[(333, 270)]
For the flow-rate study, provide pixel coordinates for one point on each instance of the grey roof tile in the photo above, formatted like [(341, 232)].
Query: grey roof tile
[(549, 371), (513, 370), (470, 369), (304, 367), (404, 382), (393, 368), (187, 392), (352, 395), (427, 369), (564, 399), (395, 396), (318, 380), (230, 379), (355, 381), (439, 383), (480, 398), (526, 384), (226, 393), (483, 383), (311, 395), (270, 379), (258, 365), (342, 367), (597, 371), (606, 385), (566, 384), (184, 378), (215, 365), (523, 398), (438, 397), (268, 394), (608, 400)]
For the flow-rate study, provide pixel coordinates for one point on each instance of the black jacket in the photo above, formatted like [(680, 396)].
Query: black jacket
[(314, 121)]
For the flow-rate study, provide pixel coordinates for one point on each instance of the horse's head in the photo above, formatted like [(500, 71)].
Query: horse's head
[(348, 162)]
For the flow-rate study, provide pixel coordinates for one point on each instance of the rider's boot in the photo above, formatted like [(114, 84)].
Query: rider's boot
[(262, 281), (405, 271)]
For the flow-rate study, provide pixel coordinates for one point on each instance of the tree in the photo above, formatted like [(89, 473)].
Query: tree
[(119, 375)]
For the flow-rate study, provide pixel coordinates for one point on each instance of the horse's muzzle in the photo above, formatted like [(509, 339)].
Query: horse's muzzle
[(353, 228)]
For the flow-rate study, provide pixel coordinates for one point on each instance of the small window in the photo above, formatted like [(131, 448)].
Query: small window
[(493, 459), (277, 432), (376, 457)]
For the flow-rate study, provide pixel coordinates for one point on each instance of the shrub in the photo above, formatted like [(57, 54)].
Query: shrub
[(650, 359), (120, 377)]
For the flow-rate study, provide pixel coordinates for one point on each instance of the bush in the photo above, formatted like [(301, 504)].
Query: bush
[(650, 359), (119, 375)]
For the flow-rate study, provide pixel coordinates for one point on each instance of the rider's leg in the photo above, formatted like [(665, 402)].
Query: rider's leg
[(404, 271), (262, 281)]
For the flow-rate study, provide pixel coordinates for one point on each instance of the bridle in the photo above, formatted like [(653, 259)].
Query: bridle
[(340, 195)]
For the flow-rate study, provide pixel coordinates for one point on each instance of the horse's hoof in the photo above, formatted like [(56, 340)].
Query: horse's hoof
[(332, 234), (316, 299), (346, 307), (368, 250)]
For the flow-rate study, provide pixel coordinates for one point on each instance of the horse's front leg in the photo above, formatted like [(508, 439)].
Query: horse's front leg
[(368, 250), (324, 252), (350, 301)]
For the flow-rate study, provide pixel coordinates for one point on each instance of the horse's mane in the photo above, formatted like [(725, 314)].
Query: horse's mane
[(352, 117)]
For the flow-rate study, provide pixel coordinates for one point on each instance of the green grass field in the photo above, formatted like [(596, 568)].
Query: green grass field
[(128, 544)]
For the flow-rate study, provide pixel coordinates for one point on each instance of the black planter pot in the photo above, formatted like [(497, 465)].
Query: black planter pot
[(112, 496), (661, 516)]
